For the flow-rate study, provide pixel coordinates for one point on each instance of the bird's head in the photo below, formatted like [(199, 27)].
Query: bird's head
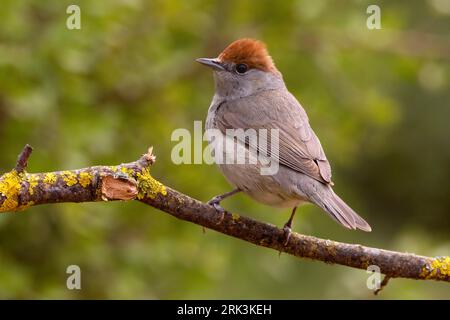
[(243, 68)]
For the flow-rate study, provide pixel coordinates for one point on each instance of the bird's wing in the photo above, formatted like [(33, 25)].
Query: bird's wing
[(299, 148)]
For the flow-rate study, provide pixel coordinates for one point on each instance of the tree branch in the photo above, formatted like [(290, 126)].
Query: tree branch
[(22, 160), (132, 181)]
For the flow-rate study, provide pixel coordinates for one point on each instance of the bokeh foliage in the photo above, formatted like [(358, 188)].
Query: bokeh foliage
[(378, 100)]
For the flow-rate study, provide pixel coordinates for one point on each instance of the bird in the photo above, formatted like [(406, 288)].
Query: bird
[(250, 94)]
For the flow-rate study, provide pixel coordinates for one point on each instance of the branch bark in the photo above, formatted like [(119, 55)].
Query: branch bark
[(132, 181)]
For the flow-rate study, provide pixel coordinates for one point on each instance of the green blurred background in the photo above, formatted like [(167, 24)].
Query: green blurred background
[(378, 100)]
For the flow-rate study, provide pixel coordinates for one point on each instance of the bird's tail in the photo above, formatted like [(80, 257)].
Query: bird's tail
[(341, 212)]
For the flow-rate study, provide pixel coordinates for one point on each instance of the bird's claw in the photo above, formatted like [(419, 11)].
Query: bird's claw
[(287, 232), (215, 203), (218, 207)]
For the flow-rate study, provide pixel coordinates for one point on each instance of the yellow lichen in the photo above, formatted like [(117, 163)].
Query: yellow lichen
[(69, 178), (235, 216), (127, 171), (10, 184), (49, 178), (149, 186), (438, 268), (33, 180), (85, 179)]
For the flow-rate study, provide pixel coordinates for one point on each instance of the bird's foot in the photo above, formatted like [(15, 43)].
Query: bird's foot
[(287, 233), (215, 202)]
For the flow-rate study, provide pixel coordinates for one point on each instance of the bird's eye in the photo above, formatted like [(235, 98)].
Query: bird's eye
[(241, 68)]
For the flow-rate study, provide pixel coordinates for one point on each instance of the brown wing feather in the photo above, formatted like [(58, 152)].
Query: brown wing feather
[(299, 147)]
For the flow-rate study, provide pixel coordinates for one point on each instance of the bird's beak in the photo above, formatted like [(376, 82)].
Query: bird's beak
[(212, 63)]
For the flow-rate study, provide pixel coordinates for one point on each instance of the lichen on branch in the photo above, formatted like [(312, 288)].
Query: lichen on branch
[(133, 181), (10, 185), (129, 181), (438, 268)]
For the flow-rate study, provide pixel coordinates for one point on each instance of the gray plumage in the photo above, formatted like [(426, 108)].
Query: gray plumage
[(258, 99), (304, 174)]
